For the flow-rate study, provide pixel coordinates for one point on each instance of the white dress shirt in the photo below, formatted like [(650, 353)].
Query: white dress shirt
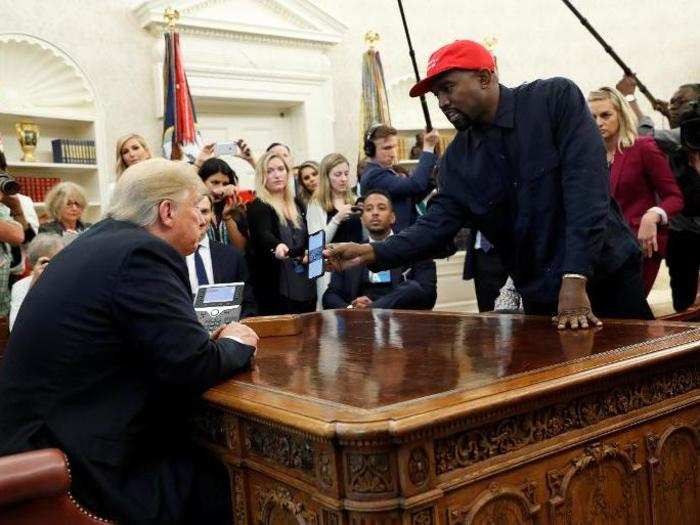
[(205, 252)]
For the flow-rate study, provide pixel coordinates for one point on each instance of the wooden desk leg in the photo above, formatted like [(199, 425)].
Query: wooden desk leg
[(238, 495)]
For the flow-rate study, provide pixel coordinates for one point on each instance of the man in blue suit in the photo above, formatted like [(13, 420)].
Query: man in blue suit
[(381, 143), (107, 354), (214, 262), (410, 288), (528, 169)]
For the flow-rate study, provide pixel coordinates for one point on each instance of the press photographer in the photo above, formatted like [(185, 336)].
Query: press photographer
[(684, 236)]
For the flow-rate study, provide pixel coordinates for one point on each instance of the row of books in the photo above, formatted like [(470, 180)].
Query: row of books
[(74, 151), (36, 188)]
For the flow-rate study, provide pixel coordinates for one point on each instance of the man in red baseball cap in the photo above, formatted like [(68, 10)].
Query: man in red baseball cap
[(528, 168)]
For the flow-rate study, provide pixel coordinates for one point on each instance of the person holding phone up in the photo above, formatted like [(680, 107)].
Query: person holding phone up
[(278, 237), (332, 209)]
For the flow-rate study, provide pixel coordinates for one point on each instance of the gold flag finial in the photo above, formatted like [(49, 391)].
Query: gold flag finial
[(371, 38), (490, 43), (171, 16)]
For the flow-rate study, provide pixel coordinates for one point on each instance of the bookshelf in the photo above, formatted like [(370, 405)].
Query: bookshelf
[(62, 105)]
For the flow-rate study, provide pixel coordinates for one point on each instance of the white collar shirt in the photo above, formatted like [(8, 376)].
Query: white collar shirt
[(205, 252)]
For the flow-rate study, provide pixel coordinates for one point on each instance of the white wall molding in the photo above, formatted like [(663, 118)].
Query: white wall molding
[(306, 25)]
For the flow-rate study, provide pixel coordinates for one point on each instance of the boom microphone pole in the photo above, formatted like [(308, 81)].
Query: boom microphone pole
[(412, 53), (610, 51)]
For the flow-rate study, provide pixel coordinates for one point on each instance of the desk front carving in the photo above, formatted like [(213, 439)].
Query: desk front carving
[(431, 418)]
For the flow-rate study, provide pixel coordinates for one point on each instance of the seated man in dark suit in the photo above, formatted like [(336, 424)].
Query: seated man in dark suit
[(410, 288), (107, 354), (214, 262)]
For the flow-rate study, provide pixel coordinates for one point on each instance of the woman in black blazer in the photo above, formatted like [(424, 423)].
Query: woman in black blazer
[(278, 235)]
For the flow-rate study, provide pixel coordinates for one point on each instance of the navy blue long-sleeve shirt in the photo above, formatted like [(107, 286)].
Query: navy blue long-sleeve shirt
[(402, 190), (535, 182)]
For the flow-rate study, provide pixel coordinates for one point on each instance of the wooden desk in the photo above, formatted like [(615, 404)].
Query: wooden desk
[(373, 417)]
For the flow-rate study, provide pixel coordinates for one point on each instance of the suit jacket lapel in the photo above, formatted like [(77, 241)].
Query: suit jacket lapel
[(616, 170), (215, 269)]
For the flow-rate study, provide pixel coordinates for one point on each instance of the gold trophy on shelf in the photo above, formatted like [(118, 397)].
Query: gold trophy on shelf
[(28, 136)]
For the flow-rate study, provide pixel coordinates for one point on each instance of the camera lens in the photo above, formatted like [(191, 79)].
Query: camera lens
[(8, 185)]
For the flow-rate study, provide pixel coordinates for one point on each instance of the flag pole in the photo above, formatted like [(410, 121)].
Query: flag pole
[(412, 54)]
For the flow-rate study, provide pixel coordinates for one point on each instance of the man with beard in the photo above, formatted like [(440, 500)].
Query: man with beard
[(683, 251), (528, 169), (408, 288)]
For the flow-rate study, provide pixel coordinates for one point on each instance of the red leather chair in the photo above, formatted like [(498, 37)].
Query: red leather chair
[(34, 488)]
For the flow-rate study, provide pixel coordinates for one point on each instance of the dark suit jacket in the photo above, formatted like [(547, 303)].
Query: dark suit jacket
[(264, 227), (640, 178), (550, 214), (57, 228), (104, 357), (418, 291), (402, 190), (229, 266)]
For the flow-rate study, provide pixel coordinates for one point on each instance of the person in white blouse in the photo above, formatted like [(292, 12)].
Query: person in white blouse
[(39, 252), (332, 208)]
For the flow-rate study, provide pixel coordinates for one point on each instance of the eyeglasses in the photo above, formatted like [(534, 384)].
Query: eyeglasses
[(74, 204)]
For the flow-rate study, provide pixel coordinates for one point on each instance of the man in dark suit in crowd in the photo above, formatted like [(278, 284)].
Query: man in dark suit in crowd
[(683, 251), (107, 354), (411, 288), (214, 262), (528, 169), (381, 143)]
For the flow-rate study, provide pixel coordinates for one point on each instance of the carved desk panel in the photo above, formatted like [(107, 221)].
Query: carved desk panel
[(422, 418)]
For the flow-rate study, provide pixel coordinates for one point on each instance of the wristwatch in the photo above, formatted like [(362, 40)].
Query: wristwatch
[(630, 98)]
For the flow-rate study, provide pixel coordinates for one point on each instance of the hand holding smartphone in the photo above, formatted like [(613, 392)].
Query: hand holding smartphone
[(226, 148), (316, 245)]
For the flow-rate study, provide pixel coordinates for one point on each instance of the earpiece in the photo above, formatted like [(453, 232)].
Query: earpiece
[(370, 147)]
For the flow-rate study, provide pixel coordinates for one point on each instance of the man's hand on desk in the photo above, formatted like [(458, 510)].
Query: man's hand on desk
[(238, 332), (346, 255), (362, 302), (574, 306)]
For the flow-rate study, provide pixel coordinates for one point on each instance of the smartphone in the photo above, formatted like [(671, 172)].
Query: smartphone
[(316, 244), (246, 196), (226, 148)]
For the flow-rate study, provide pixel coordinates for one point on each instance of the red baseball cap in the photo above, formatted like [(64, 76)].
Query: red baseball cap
[(460, 54)]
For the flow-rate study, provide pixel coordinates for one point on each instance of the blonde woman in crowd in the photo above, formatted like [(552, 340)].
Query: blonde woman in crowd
[(131, 149), (65, 204), (277, 241), (641, 180), (331, 208)]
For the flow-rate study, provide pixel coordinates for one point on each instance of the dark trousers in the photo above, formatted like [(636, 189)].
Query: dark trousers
[(683, 260), (489, 277), (618, 296), (210, 497)]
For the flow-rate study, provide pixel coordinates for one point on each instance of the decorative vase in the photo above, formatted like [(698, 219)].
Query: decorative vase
[(28, 135)]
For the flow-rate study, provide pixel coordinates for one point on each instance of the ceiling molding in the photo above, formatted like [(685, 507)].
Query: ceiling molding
[(313, 27)]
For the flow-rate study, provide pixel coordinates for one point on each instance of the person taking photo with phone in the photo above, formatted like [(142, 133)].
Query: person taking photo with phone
[(332, 209)]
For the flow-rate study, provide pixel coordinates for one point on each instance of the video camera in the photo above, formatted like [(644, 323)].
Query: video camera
[(690, 127)]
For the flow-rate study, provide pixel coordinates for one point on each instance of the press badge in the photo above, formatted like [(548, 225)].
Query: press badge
[(383, 277)]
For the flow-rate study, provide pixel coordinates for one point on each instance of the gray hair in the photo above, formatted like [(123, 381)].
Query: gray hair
[(57, 198), (44, 245), (143, 186)]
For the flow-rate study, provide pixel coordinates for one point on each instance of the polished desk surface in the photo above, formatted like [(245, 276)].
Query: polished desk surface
[(357, 372)]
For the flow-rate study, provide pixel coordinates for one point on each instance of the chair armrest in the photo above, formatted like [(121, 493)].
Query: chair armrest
[(31, 475)]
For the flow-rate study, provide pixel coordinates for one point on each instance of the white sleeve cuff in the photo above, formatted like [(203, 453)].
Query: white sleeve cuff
[(661, 212)]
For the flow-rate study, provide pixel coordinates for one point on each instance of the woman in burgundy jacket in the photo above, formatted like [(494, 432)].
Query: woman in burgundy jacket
[(641, 180)]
